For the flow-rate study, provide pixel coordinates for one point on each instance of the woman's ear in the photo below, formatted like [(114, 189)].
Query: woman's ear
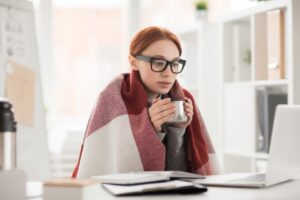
[(133, 63)]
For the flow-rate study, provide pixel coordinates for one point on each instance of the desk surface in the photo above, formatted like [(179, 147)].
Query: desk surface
[(288, 190)]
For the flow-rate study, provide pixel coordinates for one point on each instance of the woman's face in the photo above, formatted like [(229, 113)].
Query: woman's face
[(157, 83)]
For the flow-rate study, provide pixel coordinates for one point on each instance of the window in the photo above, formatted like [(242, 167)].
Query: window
[(87, 36)]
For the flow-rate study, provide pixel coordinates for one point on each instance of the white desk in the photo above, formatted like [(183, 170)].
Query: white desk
[(289, 190)]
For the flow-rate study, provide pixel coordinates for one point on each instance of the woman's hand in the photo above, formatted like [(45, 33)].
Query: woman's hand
[(161, 110), (188, 109)]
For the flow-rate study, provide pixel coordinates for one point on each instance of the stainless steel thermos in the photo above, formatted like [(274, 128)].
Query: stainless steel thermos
[(8, 146)]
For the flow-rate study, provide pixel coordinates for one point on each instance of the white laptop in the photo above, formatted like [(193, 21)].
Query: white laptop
[(284, 160)]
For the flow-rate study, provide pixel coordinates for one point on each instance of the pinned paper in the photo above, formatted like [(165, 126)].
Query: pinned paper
[(20, 90)]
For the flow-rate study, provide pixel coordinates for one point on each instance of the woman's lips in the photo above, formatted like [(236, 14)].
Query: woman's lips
[(164, 84)]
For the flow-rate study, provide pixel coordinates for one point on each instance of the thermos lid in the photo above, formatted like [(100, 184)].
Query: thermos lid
[(7, 121)]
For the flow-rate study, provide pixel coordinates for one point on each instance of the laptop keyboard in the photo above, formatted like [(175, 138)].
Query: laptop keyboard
[(252, 178)]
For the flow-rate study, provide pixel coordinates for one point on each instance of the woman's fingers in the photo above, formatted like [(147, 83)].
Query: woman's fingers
[(161, 106), (188, 106), (163, 110), (160, 112), (165, 114), (162, 120)]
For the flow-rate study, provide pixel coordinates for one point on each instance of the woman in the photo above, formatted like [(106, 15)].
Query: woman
[(128, 129)]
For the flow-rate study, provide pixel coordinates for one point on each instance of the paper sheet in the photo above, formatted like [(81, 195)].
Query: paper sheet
[(121, 190), (20, 90)]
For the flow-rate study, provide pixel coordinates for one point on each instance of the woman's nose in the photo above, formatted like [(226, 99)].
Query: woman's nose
[(167, 71)]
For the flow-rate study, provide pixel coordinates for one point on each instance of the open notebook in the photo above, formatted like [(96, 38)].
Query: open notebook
[(174, 186), (134, 178)]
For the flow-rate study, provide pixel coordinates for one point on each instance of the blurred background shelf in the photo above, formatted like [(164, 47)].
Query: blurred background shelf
[(250, 93)]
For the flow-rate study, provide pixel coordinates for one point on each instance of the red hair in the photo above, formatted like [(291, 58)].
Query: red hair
[(147, 36)]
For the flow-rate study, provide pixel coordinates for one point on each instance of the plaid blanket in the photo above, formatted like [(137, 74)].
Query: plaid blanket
[(121, 138)]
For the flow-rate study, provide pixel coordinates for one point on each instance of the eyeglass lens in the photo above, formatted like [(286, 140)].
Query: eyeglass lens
[(159, 65)]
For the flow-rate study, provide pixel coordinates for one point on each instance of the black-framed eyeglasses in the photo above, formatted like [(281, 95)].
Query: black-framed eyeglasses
[(160, 65)]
